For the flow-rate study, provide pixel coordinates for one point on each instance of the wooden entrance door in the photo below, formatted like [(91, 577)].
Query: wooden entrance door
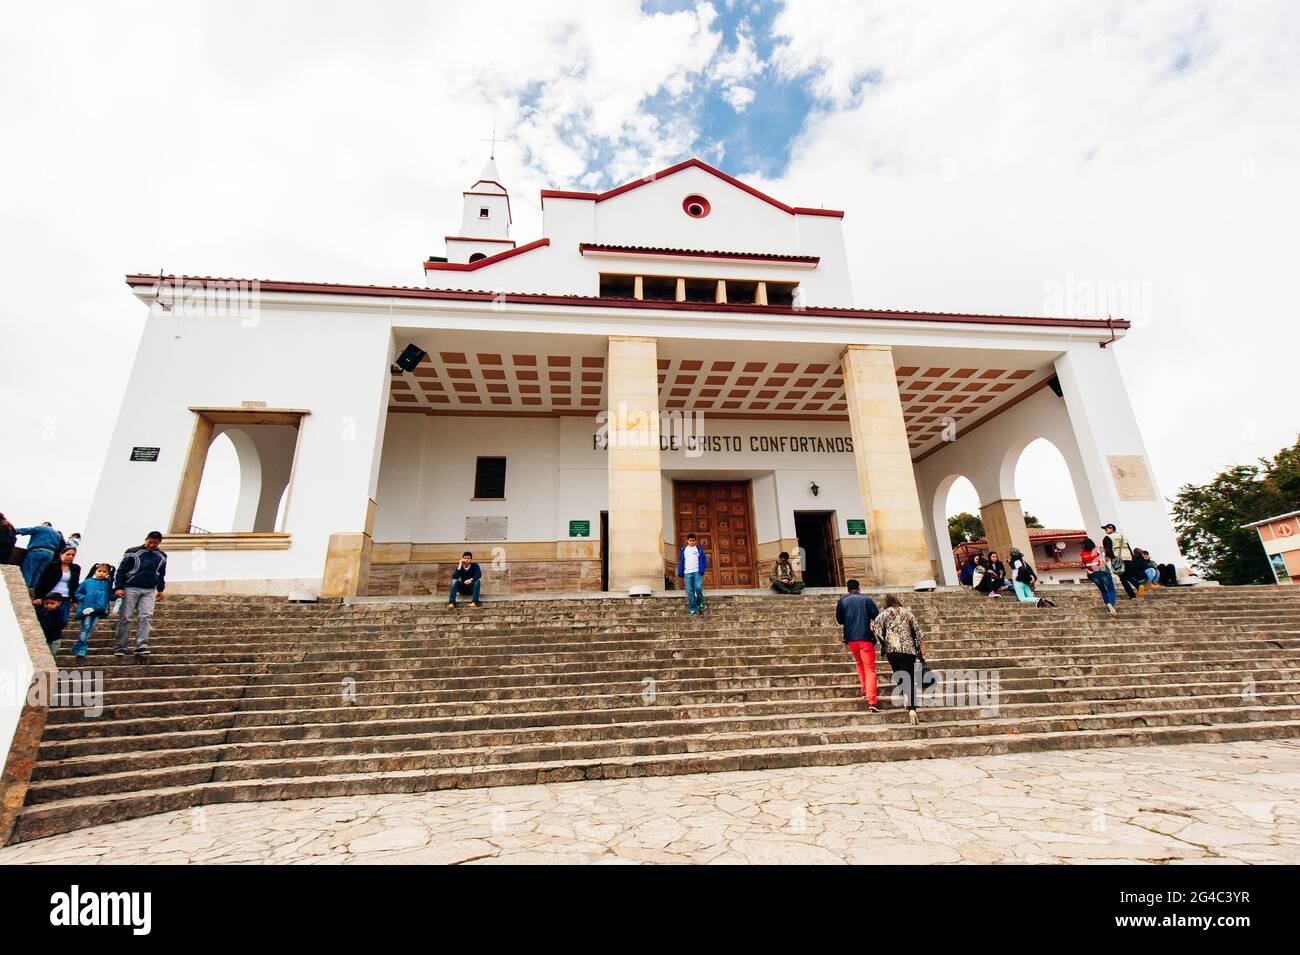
[(719, 514)]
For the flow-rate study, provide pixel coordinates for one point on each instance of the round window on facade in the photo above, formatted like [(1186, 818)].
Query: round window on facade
[(477, 256), (697, 207)]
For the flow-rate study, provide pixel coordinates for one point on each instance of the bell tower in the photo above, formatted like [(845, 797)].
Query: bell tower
[(485, 222)]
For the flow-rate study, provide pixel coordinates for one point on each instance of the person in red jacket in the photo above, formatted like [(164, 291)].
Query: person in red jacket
[(1094, 562)]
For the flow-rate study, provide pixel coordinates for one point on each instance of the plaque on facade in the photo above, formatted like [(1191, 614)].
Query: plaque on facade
[(485, 528), (857, 526), (145, 454), (579, 528), (1132, 480)]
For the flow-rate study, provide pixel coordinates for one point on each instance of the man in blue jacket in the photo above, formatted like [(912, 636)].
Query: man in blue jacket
[(855, 613), (140, 580), (42, 544), (691, 565), (465, 579)]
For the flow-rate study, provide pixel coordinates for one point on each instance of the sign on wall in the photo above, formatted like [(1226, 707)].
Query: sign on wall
[(857, 526), (579, 528), (144, 454), (485, 528), (1132, 480)]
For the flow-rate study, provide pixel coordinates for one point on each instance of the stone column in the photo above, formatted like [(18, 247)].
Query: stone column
[(347, 560), (895, 529), (1004, 527), (635, 543)]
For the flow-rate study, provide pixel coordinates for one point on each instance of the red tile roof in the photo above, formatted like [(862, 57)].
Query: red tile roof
[(698, 253), (688, 164), (136, 280)]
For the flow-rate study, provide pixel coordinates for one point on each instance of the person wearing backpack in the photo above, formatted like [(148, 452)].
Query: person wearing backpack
[(1094, 563), (1116, 564), (1022, 578)]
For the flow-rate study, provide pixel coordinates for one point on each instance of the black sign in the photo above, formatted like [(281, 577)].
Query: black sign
[(144, 454)]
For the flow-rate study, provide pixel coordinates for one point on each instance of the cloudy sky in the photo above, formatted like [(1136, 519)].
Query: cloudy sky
[(985, 154)]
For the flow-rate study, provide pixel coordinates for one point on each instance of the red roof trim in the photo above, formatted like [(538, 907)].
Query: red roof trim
[(697, 253), (689, 163), (592, 301), (447, 266), (470, 238)]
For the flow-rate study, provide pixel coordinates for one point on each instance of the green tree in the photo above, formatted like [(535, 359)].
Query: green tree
[(964, 527), (1209, 517), (963, 524)]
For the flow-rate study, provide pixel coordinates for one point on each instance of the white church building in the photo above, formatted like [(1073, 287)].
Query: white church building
[(680, 354)]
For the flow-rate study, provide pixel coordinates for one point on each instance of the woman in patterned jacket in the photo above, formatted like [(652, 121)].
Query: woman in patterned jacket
[(904, 645)]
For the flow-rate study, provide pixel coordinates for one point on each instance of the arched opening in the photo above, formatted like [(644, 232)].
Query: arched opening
[(954, 496), (477, 257), (214, 509), (962, 512), (1043, 484), (1038, 475)]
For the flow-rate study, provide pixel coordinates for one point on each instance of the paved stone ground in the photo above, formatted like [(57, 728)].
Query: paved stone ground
[(1230, 802)]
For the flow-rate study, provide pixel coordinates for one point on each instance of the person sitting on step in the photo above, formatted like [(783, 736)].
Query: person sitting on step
[(995, 576), (466, 580), (692, 562), (1145, 573), (783, 578)]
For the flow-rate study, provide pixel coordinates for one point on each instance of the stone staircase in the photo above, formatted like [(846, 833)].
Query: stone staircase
[(258, 699)]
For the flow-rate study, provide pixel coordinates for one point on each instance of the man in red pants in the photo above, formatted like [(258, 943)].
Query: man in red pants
[(855, 612)]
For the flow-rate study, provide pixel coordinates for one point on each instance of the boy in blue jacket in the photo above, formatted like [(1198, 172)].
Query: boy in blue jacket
[(93, 599), (691, 565)]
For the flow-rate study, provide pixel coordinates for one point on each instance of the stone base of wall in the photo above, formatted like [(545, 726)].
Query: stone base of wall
[(18, 756), (518, 577), (252, 587), (859, 569)]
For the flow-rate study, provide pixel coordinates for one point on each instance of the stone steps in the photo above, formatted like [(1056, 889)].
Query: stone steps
[(358, 736), (63, 815), (244, 697)]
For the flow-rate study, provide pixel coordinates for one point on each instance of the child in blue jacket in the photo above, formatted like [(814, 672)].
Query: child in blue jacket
[(94, 597)]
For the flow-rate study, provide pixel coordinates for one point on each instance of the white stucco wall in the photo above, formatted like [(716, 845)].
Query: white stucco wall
[(652, 215), (555, 475), (331, 363)]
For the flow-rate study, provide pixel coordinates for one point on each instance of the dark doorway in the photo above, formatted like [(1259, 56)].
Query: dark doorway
[(604, 550), (816, 533)]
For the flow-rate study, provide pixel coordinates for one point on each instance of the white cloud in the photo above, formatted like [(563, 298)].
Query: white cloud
[(984, 151), (981, 151), (736, 67), (301, 140), (739, 97)]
